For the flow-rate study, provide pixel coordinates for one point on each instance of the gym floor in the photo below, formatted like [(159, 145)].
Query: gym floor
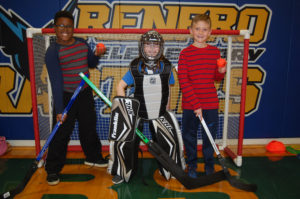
[(276, 175)]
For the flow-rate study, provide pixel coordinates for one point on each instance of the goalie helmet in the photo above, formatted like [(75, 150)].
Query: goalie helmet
[(153, 38)]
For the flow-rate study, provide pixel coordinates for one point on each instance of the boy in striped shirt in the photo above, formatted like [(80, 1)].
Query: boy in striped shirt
[(197, 72), (65, 58)]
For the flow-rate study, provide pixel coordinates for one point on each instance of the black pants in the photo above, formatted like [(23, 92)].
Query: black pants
[(83, 109)]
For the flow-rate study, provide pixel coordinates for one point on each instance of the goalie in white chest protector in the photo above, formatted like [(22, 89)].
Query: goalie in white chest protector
[(150, 76)]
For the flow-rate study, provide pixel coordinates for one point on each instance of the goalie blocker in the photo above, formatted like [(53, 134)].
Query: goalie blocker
[(124, 142)]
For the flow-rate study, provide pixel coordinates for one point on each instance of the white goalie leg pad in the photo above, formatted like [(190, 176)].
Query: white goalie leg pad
[(112, 159), (167, 134), (123, 158), (123, 141), (179, 138)]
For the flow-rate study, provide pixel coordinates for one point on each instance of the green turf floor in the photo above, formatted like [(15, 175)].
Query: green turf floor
[(279, 179)]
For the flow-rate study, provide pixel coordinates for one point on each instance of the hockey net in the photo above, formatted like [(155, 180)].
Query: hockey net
[(121, 49)]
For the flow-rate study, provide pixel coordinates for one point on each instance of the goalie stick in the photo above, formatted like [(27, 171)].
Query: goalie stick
[(233, 181), (34, 166), (167, 162)]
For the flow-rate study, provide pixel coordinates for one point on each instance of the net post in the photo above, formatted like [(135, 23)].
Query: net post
[(29, 34), (47, 44), (238, 161), (227, 93), (243, 91)]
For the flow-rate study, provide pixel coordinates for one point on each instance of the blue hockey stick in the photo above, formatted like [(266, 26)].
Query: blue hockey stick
[(21, 186), (57, 125)]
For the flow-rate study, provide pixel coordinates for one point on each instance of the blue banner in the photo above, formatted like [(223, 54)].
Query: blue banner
[(271, 103)]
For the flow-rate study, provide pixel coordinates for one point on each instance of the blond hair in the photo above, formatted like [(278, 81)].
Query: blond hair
[(201, 17)]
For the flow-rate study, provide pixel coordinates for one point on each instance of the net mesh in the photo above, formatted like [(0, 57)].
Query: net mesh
[(121, 49)]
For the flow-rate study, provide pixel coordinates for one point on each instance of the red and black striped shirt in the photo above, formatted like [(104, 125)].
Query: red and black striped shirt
[(73, 59)]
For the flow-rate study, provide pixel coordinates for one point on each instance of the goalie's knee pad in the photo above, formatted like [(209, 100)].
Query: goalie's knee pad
[(166, 132), (124, 114)]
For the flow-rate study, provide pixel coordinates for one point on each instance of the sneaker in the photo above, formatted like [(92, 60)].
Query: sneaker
[(52, 179), (117, 179), (192, 173), (99, 163)]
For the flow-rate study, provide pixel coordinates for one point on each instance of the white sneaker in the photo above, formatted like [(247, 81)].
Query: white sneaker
[(99, 163)]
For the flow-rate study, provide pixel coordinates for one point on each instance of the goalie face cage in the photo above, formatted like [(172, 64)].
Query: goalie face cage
[(122, 48)]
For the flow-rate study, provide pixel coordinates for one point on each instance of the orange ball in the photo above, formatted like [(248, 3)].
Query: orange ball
[(275, 147), (221, 62), (100, 48)]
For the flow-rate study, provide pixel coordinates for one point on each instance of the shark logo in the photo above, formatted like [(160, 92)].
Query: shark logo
[(14, 43), (13, 48)]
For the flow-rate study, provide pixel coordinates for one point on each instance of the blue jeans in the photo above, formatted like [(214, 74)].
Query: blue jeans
[(190, 124)]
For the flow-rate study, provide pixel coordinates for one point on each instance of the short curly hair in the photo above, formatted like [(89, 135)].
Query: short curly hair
[(63, 13)]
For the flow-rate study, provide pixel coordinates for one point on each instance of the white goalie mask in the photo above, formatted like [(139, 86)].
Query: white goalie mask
[(151, 47)]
